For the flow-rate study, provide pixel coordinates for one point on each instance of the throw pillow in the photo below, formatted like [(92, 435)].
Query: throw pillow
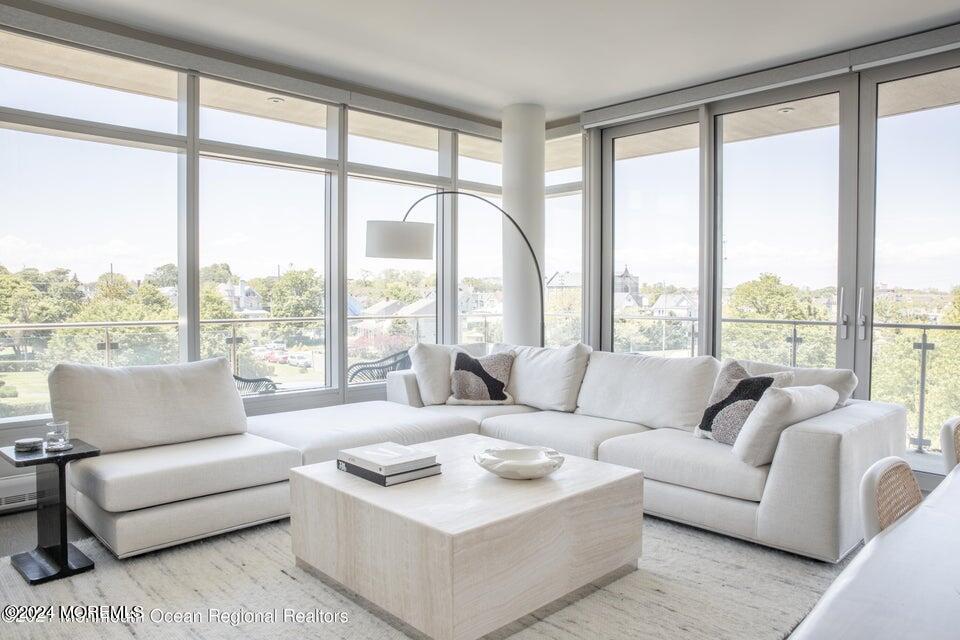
[(843, 381), (777, 410), (547, 378), (735, 395), (431, 364), (481, 380)]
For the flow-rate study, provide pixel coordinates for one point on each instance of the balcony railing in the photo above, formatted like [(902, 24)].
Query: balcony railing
[(917, 365)]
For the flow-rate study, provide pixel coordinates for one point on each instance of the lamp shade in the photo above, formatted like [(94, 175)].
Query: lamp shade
[(404, 240)]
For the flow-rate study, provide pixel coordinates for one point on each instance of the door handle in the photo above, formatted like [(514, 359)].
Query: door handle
[(843, 318), (861, 317)]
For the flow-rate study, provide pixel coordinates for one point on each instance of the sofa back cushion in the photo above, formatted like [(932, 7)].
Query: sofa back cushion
[(547, 378), (843, 381), (655, 392), (136, 407)]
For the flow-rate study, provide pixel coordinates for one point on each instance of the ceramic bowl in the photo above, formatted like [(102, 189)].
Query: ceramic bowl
[(522, 463)]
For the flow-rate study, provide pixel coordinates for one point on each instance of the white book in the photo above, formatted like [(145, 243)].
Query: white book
[(387, 458)]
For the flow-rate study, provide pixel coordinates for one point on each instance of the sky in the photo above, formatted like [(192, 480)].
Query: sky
[(86, 205)]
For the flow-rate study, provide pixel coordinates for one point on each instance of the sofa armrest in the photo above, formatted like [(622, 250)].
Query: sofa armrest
[(402, 387), (811, 498)]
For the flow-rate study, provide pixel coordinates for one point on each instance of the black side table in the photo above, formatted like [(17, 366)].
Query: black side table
[(54, 557)]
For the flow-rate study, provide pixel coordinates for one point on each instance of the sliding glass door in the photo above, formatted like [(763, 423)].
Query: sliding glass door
[(654, 289), (779, 204), (909, 345)]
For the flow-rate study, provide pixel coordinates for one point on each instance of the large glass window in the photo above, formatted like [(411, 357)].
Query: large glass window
[(262, 286), (563, 160), (256, 118), (563, 269), (779, 220), (656, 241), (391, 304), (88, 235), (480, 269), (480, 160), (394, 144), (36, 75), (916, 302)]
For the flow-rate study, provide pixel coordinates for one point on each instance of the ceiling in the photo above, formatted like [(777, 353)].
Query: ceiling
[(568, 55)]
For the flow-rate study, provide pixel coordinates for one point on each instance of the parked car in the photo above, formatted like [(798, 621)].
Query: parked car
[(277, 357), (302, 360)]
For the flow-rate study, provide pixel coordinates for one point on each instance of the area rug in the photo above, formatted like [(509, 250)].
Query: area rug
[(690, 584)]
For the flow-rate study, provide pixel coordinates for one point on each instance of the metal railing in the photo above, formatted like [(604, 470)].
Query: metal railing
[(625, 319), (794, 340)]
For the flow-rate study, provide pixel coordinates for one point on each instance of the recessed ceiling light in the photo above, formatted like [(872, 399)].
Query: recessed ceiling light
[(276, 100), (786, 110)]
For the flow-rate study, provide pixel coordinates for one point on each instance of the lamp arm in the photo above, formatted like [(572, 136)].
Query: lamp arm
[(533, 255)]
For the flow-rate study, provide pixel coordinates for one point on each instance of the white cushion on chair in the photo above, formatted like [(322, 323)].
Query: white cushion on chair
[(124, 408), (141, 478), (657, 392)]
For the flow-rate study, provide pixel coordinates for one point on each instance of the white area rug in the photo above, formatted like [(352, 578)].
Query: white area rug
[(690, 584)]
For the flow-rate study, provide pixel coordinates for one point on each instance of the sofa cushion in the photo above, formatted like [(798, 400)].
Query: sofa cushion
[(320, 433), (123, 408), (432, 364), (656, 392), (479, 413), (777, 410), (547, 378), (843, 381), (568, 433), (680, 458), (128, 480)]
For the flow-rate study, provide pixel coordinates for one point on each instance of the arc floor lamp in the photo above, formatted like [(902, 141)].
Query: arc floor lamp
[(414, 240)]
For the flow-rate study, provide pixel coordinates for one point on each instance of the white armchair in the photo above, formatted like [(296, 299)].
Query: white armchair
[(950, 443), (888, 492)]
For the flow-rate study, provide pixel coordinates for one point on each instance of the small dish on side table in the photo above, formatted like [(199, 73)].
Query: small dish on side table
[(520, 463)]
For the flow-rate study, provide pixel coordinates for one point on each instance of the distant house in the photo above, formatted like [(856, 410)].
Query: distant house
[(674, 305), (242, 298), (383, 308), (627, 303), (626, 282)]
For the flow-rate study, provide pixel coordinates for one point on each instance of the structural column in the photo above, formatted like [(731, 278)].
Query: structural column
[(523, 198)]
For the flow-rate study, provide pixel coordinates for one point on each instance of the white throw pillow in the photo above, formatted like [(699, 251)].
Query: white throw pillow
[(843, 381), (547, 378), (777, 410), (432, 364), (655, 392)]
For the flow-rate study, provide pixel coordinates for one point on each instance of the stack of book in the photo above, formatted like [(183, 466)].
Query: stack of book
[(388, 463)]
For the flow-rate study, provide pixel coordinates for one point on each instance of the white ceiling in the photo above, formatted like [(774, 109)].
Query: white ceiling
[(568, 55)]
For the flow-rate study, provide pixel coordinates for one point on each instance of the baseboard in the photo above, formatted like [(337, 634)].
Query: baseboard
[(18, 492)]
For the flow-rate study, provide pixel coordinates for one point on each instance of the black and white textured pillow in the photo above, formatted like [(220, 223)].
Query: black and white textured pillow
[(481, 380), (735, 394)]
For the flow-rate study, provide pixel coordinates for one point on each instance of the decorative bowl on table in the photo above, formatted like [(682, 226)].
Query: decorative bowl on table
[(521, 463)]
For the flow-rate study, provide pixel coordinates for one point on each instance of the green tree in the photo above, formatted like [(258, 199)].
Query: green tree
[(166, 275), (218, 273), (297, 294)]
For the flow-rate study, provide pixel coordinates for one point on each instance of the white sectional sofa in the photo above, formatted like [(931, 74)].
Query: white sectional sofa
[(640, 411), (181, 461)]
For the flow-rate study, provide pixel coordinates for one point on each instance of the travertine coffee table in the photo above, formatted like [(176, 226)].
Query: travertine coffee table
[(461, 554)]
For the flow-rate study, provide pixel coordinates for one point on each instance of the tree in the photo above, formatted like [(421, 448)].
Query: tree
[(218, 273), (212, 304), (297, 294), (166, 275)]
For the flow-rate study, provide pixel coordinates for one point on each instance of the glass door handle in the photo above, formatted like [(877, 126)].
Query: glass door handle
[(843, 318), (861, 318)]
